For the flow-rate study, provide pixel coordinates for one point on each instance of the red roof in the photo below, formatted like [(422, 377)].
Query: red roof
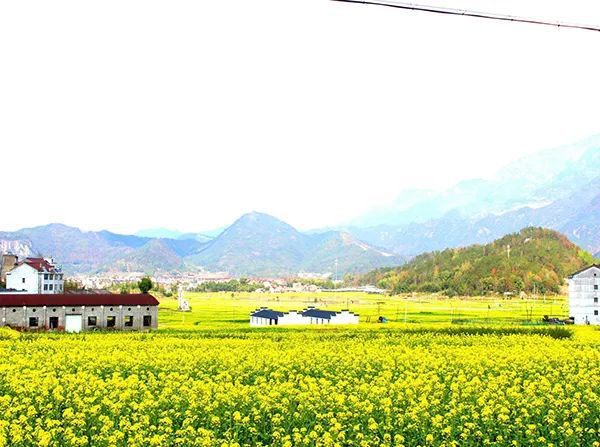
[(40, 264), (113, 299)]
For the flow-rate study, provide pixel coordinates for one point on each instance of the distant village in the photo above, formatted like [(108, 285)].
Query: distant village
[(33, 297), (196, 281)]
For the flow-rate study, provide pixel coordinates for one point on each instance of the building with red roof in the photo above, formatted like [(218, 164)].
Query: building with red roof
[(78, 312), (37, 276)]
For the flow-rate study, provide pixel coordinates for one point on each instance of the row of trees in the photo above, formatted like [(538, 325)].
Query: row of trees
[(233, 285)]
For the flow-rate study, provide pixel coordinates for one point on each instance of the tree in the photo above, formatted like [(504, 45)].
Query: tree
[(145, 285)]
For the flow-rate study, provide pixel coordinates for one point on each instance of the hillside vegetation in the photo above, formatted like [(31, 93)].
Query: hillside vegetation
[(538, 260)]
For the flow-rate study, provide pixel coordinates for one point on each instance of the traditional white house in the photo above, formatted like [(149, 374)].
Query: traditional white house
[(584, 307), (317, 316), (36, 275), (265, 317), (310, 315)]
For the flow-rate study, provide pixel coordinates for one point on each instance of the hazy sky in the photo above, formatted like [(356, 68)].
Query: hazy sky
[(185, 114)]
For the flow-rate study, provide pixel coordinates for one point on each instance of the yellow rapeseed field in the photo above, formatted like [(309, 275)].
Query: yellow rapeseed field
[(366, 386)]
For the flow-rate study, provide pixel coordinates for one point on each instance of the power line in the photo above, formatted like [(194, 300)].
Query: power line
[(468, 13)]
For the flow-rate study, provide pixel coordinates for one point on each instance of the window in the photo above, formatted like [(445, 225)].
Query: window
[(14, 310), (23, 280), (111, 309), (595, 299), (33, 321), (129, 320), (50, 286), (595, 312), (45, 286), (34, 309), (53, 310), (111, 321), (92, 321), (45, 276), (595, 286), (147, 320), (129, 309)]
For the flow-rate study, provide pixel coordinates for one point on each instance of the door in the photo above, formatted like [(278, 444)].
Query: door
[(53, 323), (73, 323)]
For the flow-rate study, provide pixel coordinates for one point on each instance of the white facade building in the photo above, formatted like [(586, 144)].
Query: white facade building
[(268, 317), (36, 275), (584, 307)]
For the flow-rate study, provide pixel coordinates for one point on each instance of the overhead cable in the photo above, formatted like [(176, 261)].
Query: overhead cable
[(470, 13)]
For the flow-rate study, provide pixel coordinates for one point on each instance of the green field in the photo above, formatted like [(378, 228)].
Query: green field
[(222, 309)]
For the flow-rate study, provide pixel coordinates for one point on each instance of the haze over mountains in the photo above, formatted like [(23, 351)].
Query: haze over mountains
[(558, 189)]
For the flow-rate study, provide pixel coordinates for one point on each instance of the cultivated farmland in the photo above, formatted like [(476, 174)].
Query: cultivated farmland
[(208, 379)]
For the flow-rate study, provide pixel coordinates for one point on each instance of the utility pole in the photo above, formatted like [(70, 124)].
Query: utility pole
[(336, 270)]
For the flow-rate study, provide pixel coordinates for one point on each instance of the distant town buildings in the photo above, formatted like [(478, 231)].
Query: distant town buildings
[(310, 315), (34, 275), (584, 307)]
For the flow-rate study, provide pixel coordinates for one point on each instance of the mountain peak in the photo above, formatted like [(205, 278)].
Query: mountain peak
[(260, 221)]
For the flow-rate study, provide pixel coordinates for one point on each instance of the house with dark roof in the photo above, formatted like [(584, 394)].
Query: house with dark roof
[(310, 315), (265, 317), (78, 312), (584, 295), (318, 316), (36, 275)]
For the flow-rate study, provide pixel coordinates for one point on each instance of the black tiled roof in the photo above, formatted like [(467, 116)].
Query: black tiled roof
[(267, 313), (584, 269), (316, 313)]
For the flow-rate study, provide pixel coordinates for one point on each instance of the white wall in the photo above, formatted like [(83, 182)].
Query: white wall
[(52, 281), (584, 300), (34, 280), (23, 277), (258, 321), (296, 318), (292, 317), (344, 317)]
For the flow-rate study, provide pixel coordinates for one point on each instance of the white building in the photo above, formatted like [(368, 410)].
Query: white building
[(584, 307), (317, 316), (265, 317), (36, 275), (268, 317)]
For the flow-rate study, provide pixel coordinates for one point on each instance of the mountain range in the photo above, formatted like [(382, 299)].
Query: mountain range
[(557, 189), (256, 244)]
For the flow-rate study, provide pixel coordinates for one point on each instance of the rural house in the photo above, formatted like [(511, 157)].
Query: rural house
[(583, 295), (79, 312), (268, 317), (37, 276)]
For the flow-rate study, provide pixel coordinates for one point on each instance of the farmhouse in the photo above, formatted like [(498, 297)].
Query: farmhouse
[(310, 315), (79, 312), (36, 276), (583, 295)]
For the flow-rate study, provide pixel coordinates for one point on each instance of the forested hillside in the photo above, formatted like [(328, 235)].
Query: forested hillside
[(532, 260)]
